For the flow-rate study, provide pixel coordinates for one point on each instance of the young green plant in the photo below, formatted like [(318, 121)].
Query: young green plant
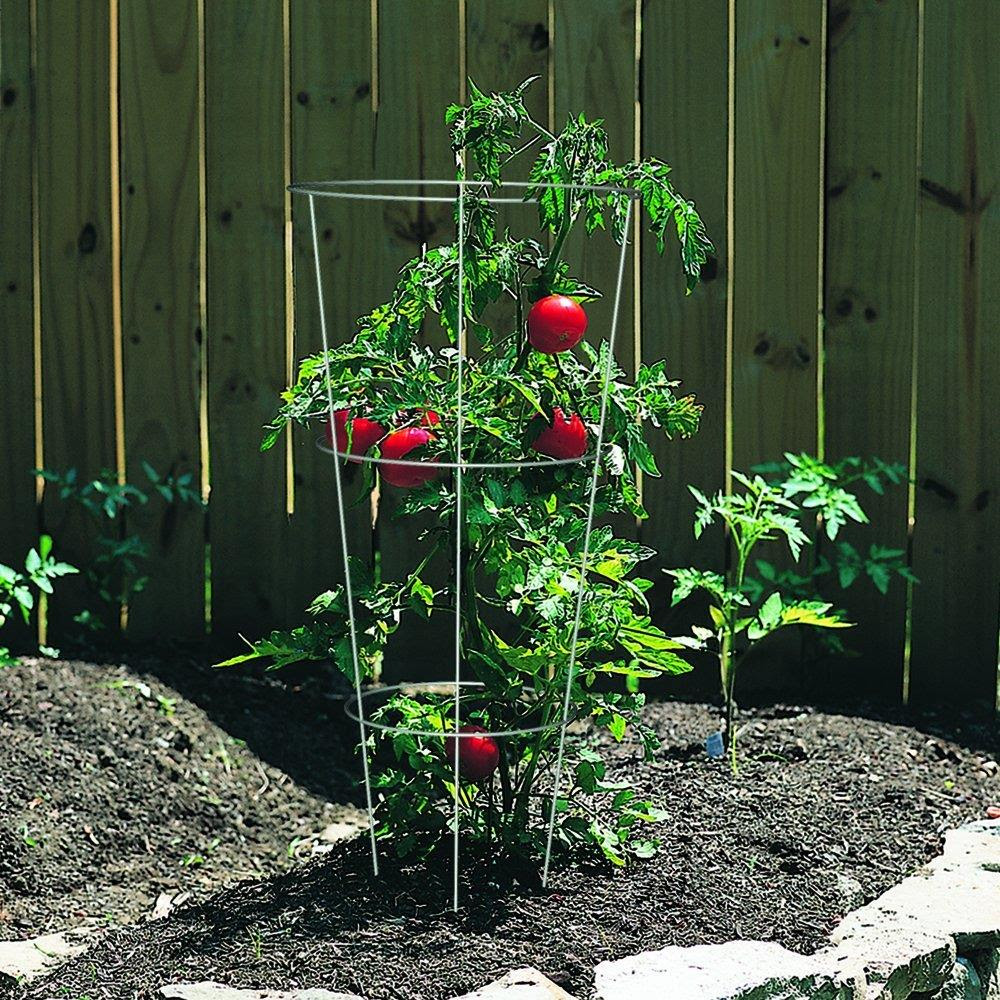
[(20, 591), (115, 574), (762, 512)]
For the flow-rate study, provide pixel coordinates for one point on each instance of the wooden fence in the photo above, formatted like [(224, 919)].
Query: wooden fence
[(845, 156)]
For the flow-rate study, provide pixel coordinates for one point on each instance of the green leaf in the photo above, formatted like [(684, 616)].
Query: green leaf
[(770, 612), (814, 613), (617, 727)]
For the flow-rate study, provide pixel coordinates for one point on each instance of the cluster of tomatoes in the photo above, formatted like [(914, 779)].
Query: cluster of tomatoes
[(556, 323)]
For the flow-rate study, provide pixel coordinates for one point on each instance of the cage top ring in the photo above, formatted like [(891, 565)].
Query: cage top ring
[(376, 189)]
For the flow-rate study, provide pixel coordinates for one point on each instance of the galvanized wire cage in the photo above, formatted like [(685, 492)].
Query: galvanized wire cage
[(454, 193)]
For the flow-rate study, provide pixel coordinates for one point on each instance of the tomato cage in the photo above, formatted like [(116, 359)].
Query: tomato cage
[(407, 212)]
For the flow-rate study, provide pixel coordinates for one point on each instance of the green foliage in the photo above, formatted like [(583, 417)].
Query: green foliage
[(19, 590), (115, 573), (827, 489), (523, 530), (762, 512), (799, 502)]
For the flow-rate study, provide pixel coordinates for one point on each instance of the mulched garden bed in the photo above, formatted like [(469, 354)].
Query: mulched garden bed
[(827, 812)]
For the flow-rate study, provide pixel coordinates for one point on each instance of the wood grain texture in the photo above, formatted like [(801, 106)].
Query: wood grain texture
[(245, 309), (74, 221), (595, 72), (18, 515), (684, 122), (956, 540), (684, 88), (777, 212), (160, 308), (507, 43), (419, 47), (869, 282), (331, 121)]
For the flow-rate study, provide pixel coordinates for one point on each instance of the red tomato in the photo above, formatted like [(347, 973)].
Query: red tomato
[(364, 433), (556, 323), (478, 756), (430, 418), (566, 437), (400, 444)]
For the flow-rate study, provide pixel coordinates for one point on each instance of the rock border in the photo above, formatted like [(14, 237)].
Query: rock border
[(935, 935)]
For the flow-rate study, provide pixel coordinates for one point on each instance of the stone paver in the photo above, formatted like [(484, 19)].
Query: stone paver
[(521, 984)]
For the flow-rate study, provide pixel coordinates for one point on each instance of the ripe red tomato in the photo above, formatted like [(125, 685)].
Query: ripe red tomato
[(566, 437), (430, 418), (478, 756), (400, 444), (556, 323), (364, 433)]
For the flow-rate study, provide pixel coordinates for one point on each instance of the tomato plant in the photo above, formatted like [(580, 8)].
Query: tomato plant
[(532, 387), (782, 502)]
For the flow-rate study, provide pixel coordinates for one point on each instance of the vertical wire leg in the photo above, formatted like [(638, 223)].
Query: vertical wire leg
[(458, 541), (586, 553), (348, 590)]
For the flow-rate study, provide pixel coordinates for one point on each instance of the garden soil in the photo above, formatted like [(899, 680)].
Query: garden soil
[(122, 787)]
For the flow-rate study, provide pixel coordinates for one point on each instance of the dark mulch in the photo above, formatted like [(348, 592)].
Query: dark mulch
[(827, 811), (116, 787)]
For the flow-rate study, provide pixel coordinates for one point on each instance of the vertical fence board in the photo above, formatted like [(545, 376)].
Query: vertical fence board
[(868, 301), (956, 544), (18, 519), (506, 44), (777, 211), (684, 88), (776, 267), (684, 121), (595, 72), (245, 309), (160, 308), (74, 221), (331, 125), (418, 66)]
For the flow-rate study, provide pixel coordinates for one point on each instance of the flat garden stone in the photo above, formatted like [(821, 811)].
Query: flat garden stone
[(897, 958), (521, 984), (216, 991), (737, 970), (956, 896), (973, 843), (22, 961)]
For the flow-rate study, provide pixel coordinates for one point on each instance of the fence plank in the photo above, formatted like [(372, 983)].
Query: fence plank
[(956, 543), (868, 301), (776, 227), (245, 309), (684, 88), (594, 51), (160, 299), (18, 515), (776, 270), (331, 121), (418, 77), (74, 221), (506, 44), (684, 104)]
